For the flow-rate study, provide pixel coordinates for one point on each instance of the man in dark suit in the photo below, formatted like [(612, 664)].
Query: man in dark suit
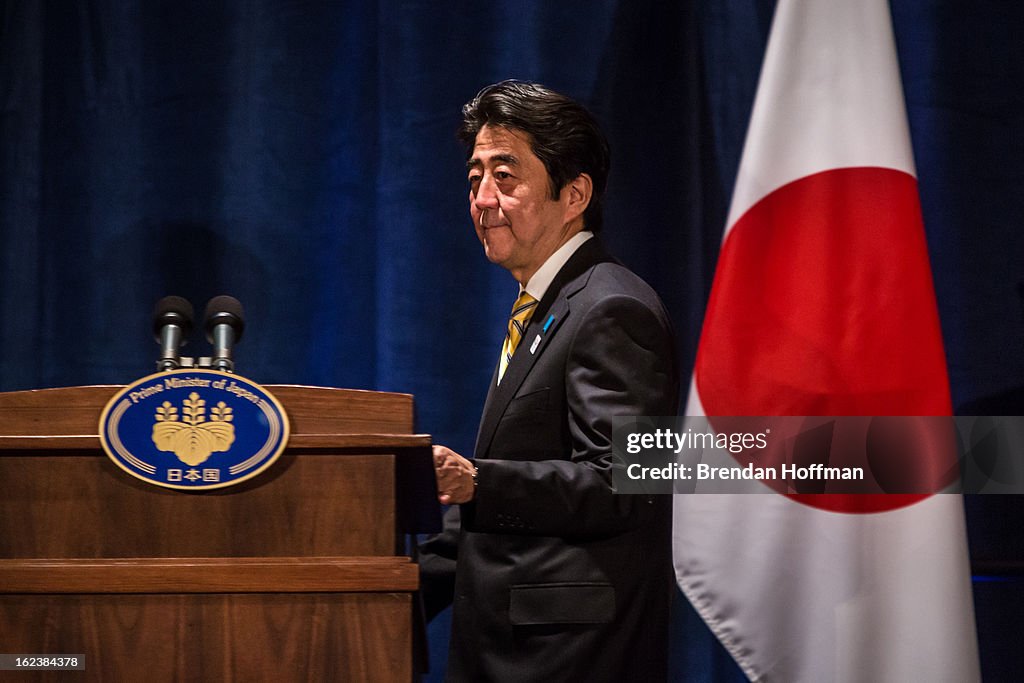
[(555, 576)]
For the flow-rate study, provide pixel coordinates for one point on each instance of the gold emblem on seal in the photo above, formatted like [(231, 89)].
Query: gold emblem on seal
[(194, 438)]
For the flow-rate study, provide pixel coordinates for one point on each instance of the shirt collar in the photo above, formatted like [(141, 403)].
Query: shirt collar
[(538, 285)]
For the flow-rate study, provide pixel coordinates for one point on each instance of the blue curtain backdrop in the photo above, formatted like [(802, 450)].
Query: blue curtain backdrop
[(301, 157)]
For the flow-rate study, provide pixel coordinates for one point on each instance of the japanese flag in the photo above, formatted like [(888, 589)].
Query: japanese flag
[(823, 304)]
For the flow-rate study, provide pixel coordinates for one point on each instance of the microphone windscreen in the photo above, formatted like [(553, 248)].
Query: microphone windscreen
[(225, 310), (172, 310)]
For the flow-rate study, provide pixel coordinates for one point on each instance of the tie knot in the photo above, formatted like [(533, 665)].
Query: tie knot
[(523, 307)]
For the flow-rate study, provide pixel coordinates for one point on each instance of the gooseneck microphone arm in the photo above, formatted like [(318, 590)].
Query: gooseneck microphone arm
[(172, 323), (224, 323)]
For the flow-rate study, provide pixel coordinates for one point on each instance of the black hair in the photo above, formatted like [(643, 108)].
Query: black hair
[(562, 134)]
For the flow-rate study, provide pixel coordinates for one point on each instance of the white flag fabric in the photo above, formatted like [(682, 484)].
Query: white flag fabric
[(823, 304)]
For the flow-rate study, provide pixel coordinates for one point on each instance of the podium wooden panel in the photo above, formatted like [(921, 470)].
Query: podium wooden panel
[(298, 574)]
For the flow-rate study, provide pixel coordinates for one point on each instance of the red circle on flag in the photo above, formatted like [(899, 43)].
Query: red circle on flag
[(823, 304)]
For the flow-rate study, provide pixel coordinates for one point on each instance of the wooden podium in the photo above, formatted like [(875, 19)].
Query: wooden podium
[(297, 574)]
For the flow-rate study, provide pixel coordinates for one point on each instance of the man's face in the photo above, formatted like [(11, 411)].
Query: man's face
[(516, 219)]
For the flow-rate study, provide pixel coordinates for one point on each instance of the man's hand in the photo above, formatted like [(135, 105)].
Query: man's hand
[(454, 476)]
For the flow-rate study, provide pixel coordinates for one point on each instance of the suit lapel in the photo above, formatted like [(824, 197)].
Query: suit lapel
[(551, 312)]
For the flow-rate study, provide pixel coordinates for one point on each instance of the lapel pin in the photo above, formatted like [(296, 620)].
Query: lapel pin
[(535, 344), (547, 324)]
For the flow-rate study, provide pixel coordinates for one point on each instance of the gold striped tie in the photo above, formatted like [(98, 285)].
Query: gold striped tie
[(517, 322)]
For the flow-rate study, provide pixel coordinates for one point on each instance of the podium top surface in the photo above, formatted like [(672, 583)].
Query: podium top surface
[(319, 416)]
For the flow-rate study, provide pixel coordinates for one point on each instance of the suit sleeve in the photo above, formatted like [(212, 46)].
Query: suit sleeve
[(620, 363), (436, 557)]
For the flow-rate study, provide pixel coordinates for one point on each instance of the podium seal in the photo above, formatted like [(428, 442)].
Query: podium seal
[(194, 429)]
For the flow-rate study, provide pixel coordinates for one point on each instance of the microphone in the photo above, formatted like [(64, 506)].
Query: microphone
[(225, 323), (172, 322)]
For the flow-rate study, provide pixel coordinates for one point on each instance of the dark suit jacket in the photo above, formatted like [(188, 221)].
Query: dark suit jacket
[(558, 578)]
